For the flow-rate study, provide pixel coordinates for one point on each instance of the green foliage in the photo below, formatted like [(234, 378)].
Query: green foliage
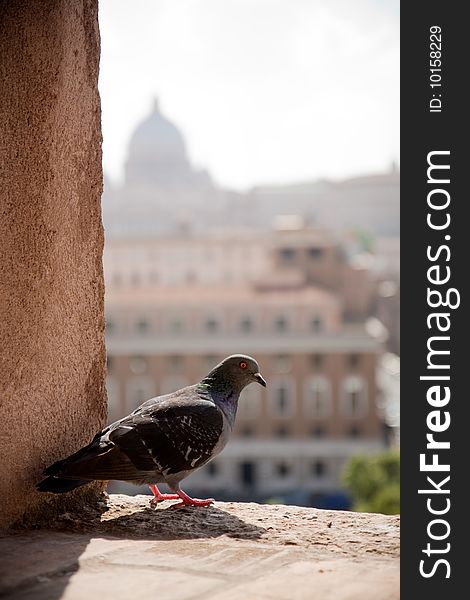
[(365, 240), (374, 482)]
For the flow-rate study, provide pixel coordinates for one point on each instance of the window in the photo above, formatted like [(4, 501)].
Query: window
[(135, 279), (176, 325), (137, 365), (282, 363), (211, 325), (110, 327), (172, 383), (281, 324), (282, 399), (246, 325), (319, 468), (249, 405), (281, 432), (354, 391), (282, 469), (316, 324), (287, 254), (353, 360), (354, 432), (139, 389), (317, 398), (317, 360), (212, 469), (315, 252), (140, 395), (175, 363), (248, 474), (114, 404), (210, 361), (318, 431), (153, 277), (142, 325)]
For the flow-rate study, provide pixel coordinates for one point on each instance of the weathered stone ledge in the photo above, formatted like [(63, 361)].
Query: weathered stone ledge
[(225, 552)]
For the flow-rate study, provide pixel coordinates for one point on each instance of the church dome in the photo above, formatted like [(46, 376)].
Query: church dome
[(157, 151)]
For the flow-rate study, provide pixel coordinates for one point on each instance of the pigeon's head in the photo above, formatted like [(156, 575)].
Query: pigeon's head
[(238, 370)]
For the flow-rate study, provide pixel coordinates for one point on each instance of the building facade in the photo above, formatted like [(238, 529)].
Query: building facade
[(292, 439), (195, 273)]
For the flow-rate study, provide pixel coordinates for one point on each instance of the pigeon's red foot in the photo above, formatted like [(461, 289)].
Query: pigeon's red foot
[(188, 501), (159, 497)]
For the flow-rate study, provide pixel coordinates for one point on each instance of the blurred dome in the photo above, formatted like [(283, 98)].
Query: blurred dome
[(158, 136), (157, 152)]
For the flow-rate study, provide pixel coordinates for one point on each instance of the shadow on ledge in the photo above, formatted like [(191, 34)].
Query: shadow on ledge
[(183, 523), (37, 563), (133, 518)]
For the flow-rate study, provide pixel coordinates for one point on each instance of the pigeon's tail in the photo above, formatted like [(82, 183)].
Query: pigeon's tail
[(100, 460), (59, 485), (64, 475)]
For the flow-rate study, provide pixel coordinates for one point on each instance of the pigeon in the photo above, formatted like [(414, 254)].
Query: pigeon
[(165, 439)]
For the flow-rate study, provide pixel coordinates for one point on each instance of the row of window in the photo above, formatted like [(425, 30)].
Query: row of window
[(317, 432), (316, 401), (318, 469), (238, 252), (289, 254), (213, 325), (190, 275), (183, 277), (280, 363)]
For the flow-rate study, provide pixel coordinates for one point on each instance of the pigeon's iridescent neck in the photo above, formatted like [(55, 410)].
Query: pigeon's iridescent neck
[(228, 404), (223, 395)]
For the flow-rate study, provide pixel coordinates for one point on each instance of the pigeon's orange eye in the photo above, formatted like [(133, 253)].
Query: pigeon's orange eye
[(243, 365)]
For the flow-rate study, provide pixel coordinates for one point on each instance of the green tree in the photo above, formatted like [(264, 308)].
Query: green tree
[(374, 482)]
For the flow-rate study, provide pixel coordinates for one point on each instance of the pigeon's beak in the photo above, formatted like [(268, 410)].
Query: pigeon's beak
[(260, 379)]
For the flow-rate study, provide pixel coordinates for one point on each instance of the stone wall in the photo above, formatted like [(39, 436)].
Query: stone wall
[(52, 355)]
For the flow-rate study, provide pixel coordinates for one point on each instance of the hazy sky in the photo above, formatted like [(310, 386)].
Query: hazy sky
[(264, 91)]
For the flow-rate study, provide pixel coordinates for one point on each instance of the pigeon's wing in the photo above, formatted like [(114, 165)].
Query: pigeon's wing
[(170, 437), (165, 435), (101, 459)]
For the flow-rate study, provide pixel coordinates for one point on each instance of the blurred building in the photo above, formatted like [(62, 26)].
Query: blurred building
[(195, 273), (178, 305), (290, 255), (362, 204), (162, 192), (388, 384)]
